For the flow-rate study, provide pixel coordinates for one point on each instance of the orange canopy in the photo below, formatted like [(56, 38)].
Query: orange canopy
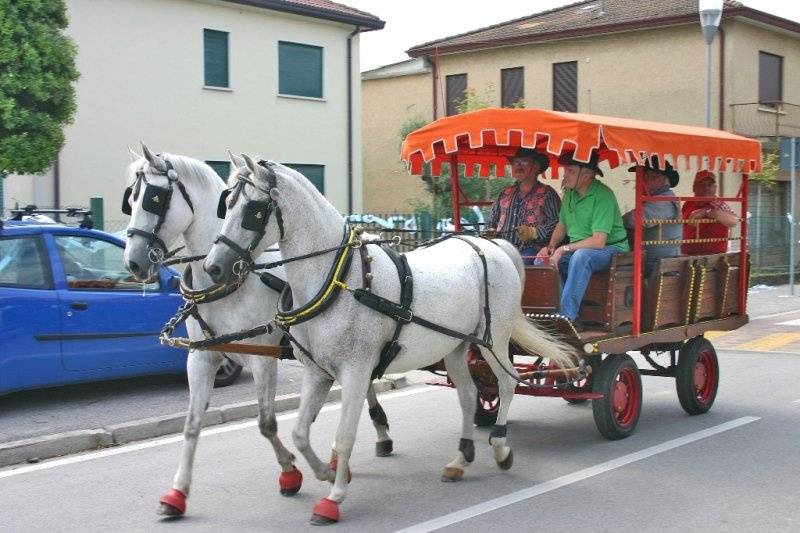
[(487, 137)]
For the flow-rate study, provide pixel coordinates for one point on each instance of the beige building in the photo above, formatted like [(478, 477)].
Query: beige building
[(625, 58), (276, 78)]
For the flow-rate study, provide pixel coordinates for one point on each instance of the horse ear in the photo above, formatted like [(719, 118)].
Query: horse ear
[(133, 155), (252, 165), (236, 161), (155, 160)]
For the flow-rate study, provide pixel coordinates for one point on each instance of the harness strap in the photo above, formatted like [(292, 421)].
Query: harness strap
[(272, 281), (392, 348), (487, 314)]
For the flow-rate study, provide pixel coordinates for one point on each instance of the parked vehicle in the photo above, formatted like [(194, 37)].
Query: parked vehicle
[(70, 312)]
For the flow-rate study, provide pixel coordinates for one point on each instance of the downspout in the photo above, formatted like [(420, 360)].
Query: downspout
[(721, 97), (350, 119), (434, 77)]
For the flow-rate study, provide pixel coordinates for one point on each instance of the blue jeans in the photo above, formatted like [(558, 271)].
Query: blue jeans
[(529, 252), (576, 268)]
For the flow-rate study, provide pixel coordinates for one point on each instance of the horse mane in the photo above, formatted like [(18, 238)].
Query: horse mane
[(188, 169)]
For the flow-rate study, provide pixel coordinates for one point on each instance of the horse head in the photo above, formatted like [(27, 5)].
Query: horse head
[(253, 219), (158, 215)]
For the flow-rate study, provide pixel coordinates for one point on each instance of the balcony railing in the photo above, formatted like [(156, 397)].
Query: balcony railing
[(766, 119)]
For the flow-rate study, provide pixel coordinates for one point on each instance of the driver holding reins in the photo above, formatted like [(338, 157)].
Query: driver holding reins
[(526, 213)]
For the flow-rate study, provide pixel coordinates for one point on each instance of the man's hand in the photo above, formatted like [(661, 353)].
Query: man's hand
[(527, 233), (555, 257)]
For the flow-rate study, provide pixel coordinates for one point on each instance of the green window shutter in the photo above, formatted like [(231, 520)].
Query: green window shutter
[(215, 48), (299, 69), (223, 168), (314, 173)]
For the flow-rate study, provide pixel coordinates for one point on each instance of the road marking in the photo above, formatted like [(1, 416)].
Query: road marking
[(770, 342), (789, 323), (569, 479), (711, 335), (108, 452), (796, 401)]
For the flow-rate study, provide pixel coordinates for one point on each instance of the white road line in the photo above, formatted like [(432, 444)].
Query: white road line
[(774, 315), (108, 452), (789, 323), (796, 401), (580, 475)]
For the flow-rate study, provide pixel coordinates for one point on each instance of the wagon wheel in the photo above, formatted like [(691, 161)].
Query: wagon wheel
[(227, 374), (697, 376), (488, 401), (617, 413)]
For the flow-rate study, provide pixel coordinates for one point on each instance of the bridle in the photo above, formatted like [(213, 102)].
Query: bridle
[(156, 200), (256, 216)]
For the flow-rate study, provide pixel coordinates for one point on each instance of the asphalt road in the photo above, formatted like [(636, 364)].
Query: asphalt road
[(732, 469)]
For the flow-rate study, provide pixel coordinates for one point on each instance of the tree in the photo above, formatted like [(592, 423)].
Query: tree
[(37, 76)]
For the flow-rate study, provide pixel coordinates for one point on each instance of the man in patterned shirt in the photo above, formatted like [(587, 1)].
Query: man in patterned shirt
[(527, 212), (705, 184)]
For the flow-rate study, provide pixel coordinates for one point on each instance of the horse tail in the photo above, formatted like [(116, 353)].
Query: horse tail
[(536, 341), (525, 333)]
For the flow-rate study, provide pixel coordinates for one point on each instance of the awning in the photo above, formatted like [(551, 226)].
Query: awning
[(484, 139)]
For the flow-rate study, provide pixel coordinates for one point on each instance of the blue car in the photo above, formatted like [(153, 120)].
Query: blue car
[(70, 312)]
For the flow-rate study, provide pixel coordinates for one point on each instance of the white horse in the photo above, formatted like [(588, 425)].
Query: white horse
[(191, 213), (448, 288)]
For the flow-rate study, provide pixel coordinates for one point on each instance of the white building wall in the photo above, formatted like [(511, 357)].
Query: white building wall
[(141, 66)]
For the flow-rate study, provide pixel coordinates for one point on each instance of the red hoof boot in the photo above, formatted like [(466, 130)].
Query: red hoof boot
[(335, 463), (172, 503), (325, 512), (290, 482)]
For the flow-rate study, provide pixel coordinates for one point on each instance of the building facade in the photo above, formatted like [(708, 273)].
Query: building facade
[(275, 78), (641, 60)]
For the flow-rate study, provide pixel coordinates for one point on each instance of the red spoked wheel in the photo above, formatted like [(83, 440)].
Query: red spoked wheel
[(697, 376), (617, 414), (488, 397)]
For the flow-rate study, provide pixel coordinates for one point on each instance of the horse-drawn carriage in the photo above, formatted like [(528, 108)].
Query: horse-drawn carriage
[(663, 314)]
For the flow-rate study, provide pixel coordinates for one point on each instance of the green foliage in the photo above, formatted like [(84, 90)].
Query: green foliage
[(770, 166), (473, 101), (37, 73)]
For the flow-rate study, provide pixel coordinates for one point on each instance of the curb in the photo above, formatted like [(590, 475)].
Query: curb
[(34, 449)]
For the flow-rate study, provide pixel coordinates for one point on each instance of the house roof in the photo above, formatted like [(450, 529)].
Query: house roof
[(590, 17), (321, 9)]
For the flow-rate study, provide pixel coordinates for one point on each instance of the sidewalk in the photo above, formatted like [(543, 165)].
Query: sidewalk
[(764, 300)]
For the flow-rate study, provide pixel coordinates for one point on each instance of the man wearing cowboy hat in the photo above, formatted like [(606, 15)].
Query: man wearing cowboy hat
[(590, 217), (705, 184), (658, 182), (527, 212)]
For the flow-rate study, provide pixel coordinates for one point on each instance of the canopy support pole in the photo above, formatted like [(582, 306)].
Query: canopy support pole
[(744, 267), (636, 325), (454, 192)]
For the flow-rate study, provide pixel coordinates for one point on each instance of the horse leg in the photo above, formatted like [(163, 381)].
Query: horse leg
[(201, 368), (354, 390), (383, 446), (504, 371), (458, 371), (265, 373), (313, 394)]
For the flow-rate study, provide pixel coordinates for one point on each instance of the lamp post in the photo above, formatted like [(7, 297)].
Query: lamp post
[(710, 16)]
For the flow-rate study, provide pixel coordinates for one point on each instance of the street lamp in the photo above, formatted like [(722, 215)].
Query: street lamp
[(710, 15)]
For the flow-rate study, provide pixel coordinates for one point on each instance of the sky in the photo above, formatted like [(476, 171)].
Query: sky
[(413, 22)]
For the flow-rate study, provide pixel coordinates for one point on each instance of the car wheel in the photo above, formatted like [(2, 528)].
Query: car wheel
[(227, 374)]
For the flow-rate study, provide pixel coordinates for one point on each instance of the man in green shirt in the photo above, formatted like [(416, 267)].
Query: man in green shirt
[(591, 218)]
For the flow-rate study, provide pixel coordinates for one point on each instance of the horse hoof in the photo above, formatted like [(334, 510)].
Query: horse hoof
[(506, 463), (325, 512), (172, 503), (290, 482), (334, 463), (451, 473), (384, 448)]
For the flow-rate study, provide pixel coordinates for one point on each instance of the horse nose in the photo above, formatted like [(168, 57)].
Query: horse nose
[(214, 271), (134, 267)]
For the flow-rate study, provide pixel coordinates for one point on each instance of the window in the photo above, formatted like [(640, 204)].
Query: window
[(770, 78), (512, 86), (24, 264), (222, 168), (456, 92), (215, 50), (565, 86), (314, 173), (91, 263), (299, 69)]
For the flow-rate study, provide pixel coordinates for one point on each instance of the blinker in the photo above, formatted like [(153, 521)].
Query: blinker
[(126, 207), (256, 215), (155, 199), (222, 206)]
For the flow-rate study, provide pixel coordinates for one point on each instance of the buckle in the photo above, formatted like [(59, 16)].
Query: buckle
[(407, 318)]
